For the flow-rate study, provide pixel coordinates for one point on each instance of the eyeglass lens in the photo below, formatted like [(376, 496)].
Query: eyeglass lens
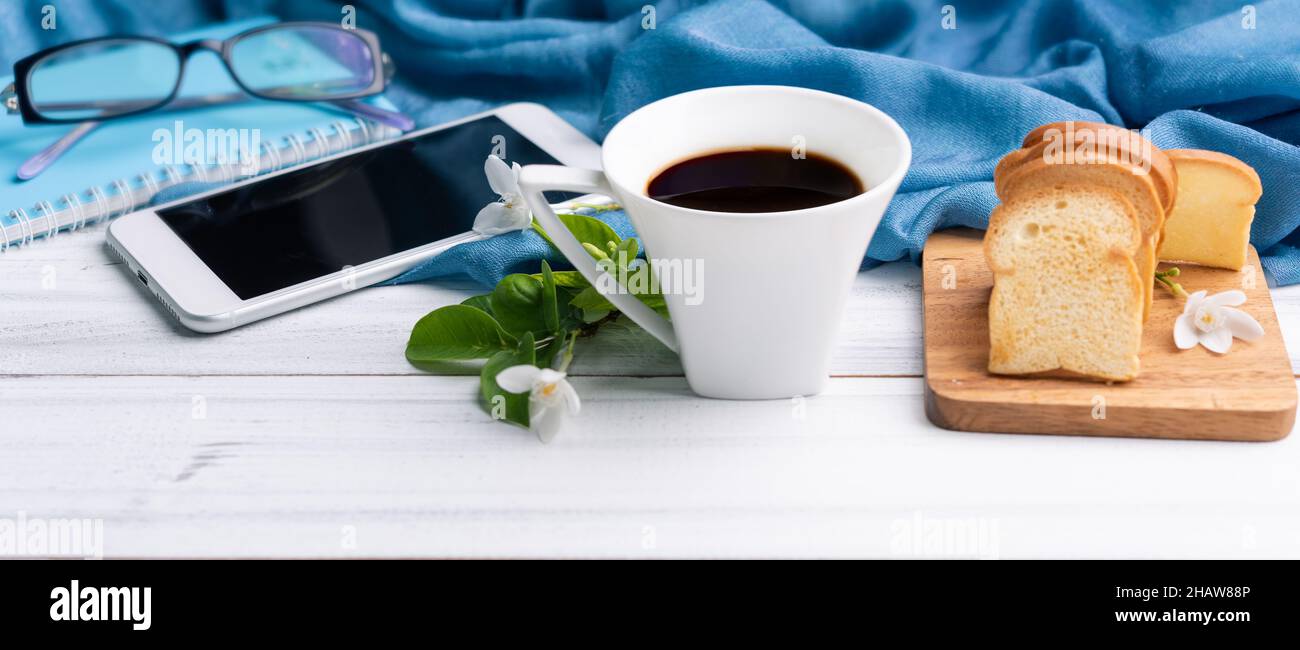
[(103, 79), (303, 63)]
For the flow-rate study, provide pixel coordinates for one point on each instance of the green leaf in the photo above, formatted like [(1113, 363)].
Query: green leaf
[(550, 309), (587, 230), (592, 304), (630, 249), (511, 407), (457, 332), (590, 230), (571, 279), (483, 302), (570, 316), (563, 295), (590, 298), (517, 304), (592, 315)]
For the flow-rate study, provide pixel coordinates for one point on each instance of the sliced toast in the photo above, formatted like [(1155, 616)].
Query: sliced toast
[(1210, 222), (1138, 190), (1120, 144), (1066, 294)]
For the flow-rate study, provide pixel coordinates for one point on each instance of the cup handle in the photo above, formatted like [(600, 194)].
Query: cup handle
[(535, 179)]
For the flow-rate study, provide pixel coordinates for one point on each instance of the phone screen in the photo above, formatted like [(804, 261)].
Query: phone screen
[(302, 225)]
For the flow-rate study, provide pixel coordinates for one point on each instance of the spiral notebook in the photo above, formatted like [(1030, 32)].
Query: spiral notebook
[(124, 164)]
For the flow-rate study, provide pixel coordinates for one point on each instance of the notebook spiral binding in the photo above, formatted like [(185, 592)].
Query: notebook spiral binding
[(95, 205)]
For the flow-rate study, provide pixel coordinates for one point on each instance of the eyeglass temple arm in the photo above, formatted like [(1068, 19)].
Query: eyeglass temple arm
[(32, 167), (395, 119)]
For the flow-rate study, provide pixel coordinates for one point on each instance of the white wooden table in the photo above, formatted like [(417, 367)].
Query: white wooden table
[(309, 435)]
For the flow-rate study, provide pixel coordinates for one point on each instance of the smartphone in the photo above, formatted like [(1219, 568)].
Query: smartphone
[(273, 243)]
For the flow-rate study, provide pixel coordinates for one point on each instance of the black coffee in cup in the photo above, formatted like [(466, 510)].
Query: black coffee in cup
[(754, 180)]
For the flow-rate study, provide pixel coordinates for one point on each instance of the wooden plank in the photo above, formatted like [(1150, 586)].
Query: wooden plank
[(409, 466), (69, 309), (1248, 394)]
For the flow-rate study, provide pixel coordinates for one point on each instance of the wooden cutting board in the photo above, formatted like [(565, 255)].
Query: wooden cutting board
[(1247, 394)]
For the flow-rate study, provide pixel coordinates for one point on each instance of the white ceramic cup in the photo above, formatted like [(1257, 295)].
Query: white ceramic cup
[(771, 285)]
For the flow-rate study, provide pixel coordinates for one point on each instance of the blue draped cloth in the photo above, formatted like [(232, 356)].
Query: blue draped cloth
[(966, 80)]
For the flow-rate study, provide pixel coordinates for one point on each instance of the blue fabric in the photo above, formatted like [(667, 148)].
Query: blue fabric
[(1210, 74)]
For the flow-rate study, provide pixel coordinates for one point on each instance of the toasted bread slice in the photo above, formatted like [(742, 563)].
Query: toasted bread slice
[(1210, 222), (1066, 293), (1119, 143), (1009, 163), (1138, 190)]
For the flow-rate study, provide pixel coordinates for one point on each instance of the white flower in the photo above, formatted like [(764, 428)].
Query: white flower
[(1212, 322), (551, 399), (509, 213)]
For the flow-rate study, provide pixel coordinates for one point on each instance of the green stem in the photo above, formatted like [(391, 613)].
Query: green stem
[(1177, 289), (567, 357)]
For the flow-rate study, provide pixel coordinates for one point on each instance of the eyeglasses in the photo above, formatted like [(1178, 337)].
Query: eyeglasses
[(98, 79), (114, 76)]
